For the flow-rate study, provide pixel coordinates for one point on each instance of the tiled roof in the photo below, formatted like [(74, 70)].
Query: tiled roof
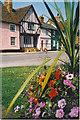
[(47, 26), (59, 23), (15, 16), (21, 12)]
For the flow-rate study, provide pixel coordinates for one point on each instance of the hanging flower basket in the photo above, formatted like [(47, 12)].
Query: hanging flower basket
[(41, 49), (45, 49)]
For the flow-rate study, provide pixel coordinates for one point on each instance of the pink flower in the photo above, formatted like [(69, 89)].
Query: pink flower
[(59, 113), (36, 116), (42, 104), (25, 113), (75, 108), (33, 114), (73, 103), (37, 112), (73, 87), (67, 82), (69, 76), (31, 109), (31, 99), (61, 103), (73, 113), (36, 105)]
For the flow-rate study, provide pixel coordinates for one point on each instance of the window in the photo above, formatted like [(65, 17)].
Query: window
[(53, 43), (30, 26), (46, 43), (39, 31), (12, 27), (27, 40), (46, 32), (53, 32), (56, 32), (13, 41)]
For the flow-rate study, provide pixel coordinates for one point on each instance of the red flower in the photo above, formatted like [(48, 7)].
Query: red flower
[(53, 93), (51, 83), (57, 74)]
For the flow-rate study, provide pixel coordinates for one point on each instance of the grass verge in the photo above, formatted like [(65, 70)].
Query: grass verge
[(12, 79)]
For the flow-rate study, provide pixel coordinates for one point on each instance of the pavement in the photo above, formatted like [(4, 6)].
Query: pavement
[(10, 59), (20, 53)]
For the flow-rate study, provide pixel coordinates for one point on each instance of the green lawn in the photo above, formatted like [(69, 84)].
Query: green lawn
[(12, 79)]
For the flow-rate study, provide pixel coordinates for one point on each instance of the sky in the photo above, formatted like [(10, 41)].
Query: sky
[(40, 7)]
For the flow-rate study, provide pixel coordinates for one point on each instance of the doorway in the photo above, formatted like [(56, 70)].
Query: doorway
[(35, 41), (42, 44)]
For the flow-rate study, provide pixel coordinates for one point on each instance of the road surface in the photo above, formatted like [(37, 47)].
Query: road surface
[(29, 59)]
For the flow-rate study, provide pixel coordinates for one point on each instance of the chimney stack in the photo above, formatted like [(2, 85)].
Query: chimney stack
[(41, 18), (8, 5), (57, 17)]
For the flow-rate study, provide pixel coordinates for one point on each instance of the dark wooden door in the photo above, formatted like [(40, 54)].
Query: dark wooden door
[(42, 44)]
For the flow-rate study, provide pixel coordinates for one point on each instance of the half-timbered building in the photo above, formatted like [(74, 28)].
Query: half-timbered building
[(22, 29)]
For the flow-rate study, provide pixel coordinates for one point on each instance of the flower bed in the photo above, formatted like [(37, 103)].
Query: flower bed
[(60, 98)]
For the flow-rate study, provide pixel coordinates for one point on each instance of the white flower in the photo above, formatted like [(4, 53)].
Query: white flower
[(30, 106), (16, 108), (63, 72), (59, 68), (22, 106), (38, 111), (69, 76), (61, 103), (43, 114), (50, 104)]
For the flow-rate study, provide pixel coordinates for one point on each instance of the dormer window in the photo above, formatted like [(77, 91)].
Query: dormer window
[(30, 26), (12, 27)]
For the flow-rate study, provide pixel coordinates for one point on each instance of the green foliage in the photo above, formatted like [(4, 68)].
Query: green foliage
[(50, 70), (70, 29), (66, 92), (12, 79), (24, 85)]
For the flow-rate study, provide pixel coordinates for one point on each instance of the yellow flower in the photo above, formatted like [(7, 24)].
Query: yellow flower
[(55, 105), (59, 89)]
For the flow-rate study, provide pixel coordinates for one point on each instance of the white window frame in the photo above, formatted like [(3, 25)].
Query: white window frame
[(10, 41), (12, 30), (26, 42), (30, 26), (46, 43), (54, 43)]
